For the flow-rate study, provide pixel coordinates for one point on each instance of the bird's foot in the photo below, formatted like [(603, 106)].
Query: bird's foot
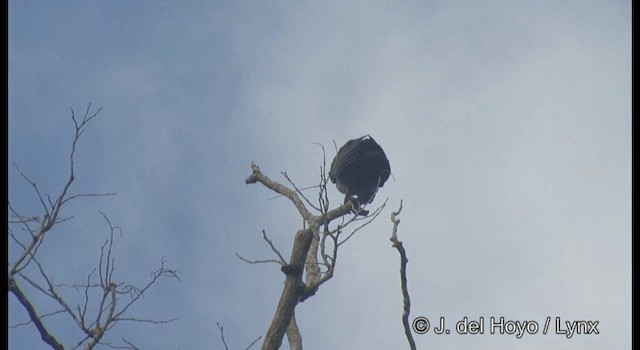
[(355, 206)]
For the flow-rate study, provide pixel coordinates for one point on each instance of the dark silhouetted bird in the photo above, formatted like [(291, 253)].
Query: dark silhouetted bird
[(359, 169)]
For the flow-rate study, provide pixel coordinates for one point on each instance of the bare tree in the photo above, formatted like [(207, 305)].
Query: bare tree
[(104, 301), (314, 254)]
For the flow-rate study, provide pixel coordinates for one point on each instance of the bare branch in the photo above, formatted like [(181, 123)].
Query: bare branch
[(224, 342), (159, 273), (257, 176), (109, 313), (253, 342), (259, 261), (222, 335), (329, 261), (333, 214), (144, 320), (82, 313), (52, 211), (33, 316), (403, 277), (35, 187), (312, 268), (79, 130), (51, 292), (293, 334), (264, 236), (293, 290), (88, 195), (131, 346), (301, 189), (323, 196), (25, 323), (395, 221), (15, 239), (78, 344), (35, 285), (369, 219), (281, 262), (30, 250), (101, 307), (286, 176), (307, 242)]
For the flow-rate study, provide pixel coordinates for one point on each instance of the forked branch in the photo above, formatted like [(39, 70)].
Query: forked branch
[(103, 305), (307, 243)]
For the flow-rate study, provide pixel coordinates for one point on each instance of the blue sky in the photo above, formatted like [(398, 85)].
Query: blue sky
[(507, 125)]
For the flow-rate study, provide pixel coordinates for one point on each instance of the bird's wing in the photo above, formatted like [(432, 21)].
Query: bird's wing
[(347, 154)]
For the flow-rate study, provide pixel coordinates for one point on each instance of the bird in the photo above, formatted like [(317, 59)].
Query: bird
[(359, 168)]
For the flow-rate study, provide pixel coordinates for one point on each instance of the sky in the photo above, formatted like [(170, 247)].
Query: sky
[(507, 126)]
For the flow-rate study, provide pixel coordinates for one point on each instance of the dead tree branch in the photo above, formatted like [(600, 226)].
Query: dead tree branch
[(222, 335), (258, 176), (282, 262), (299, 191), (52, 211), (403, 277), (224, 342), (103, 306), (264, 236), (293, 290), (33, 316), (109, 311), (293, 334), (307, 243)]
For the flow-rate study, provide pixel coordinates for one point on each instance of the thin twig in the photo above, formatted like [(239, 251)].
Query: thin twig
[(264, 236), (302, 189), (35, 187), (281, 262), (248, 261), (253, 342), (222, 335), (20, 324), (131, 346), (144, 320), (88, 195), (369, 219), (286, 176), (313, 271)]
